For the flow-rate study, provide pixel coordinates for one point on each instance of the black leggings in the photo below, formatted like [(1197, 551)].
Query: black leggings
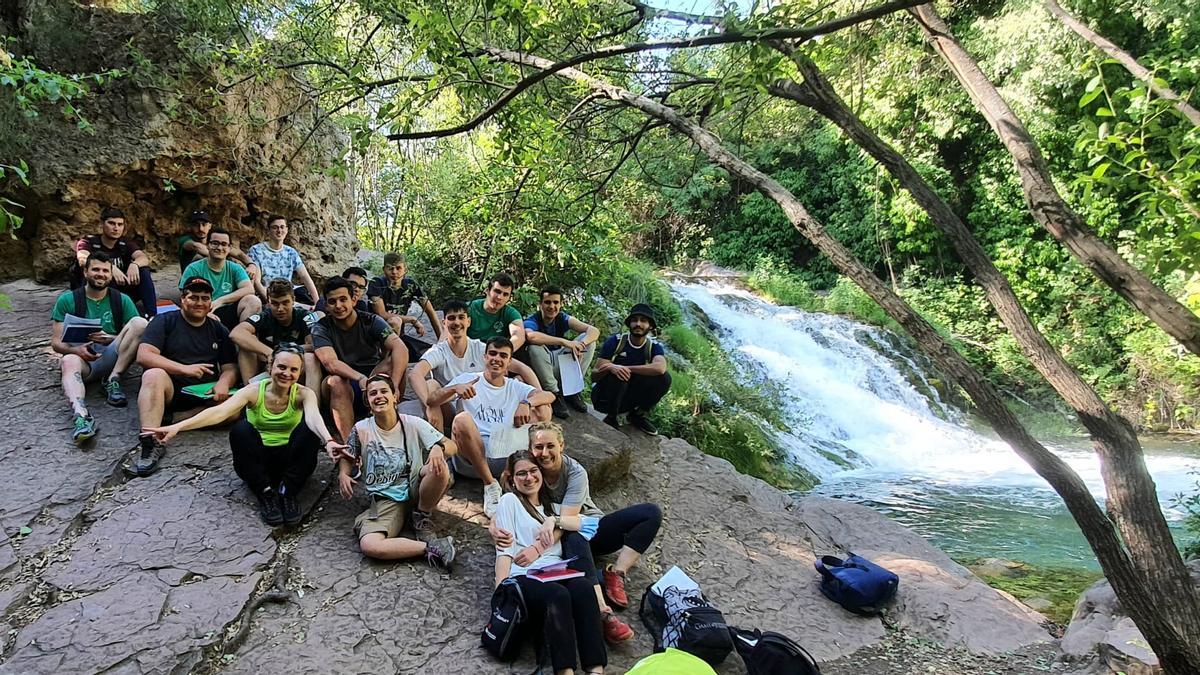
[(633, 526), (641, 392), (263, 467), (570, 619)]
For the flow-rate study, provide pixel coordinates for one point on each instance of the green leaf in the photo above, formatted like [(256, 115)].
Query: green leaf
[(1104, 112), (1089, 97), (1100, 170), (1093, 85)]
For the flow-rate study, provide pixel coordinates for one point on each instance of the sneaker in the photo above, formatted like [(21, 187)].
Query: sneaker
[(638, 419), (423, 525), (491, 498), (114, 393), (613, 421), (614, 588), (151, 454), (576, 401), (269, 508), (616, 631), (290, 508), (439, 553), (85, 428), (559, 408)]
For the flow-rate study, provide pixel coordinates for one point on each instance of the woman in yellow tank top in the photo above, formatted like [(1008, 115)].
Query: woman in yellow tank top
[(275, 445)]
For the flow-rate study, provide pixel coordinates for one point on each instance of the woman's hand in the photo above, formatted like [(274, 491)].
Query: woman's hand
[(162, 434), (545, 535), (502, 537), (346, 485), (527, 556), (337, 450)]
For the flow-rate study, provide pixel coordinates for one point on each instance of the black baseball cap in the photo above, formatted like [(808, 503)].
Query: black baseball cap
[(199, 217), (197, 285)]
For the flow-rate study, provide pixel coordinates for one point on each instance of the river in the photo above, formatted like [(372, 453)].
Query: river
[(879, 438)]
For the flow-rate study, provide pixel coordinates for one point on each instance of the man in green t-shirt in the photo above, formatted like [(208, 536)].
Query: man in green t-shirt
[(492, 317), (107, 353), (233, 298)]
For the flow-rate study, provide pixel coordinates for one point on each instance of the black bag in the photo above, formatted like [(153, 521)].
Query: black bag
[(772, 653), (687, 621), (506, 623)]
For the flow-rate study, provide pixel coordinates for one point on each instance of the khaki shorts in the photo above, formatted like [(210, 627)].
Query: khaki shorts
[(385, 516)]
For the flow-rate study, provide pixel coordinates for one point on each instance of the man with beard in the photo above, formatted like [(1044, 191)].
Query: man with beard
[(233, 297), (108, 352), (282, 322), (493, 405), (631, 372), (352, 345), (130, 266), (181, 349)]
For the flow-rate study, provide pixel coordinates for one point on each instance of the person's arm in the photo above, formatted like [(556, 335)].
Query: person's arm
[(416, 380), (433, 318), (245, 287), (149, 356), (603, 366), (137, 262), (252, 269), (516, 333), (657, 366), (63, 348), (503, 567), (379, 308), (225, 411), (312, 418), (523, 371), (82, 250), (308, 283), (225, 382), (398, 353), (346, 463), (335, 366), (196, 248), (588, 333), (245, 336), (534, 399), (449, 392)]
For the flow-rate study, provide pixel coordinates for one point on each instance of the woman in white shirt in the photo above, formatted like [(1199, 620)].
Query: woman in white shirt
[(567, 609)]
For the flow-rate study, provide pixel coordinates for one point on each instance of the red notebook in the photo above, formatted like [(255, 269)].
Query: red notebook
[(556, 571)]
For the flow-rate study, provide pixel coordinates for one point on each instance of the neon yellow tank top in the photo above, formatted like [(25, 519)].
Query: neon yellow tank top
[(275, 428)]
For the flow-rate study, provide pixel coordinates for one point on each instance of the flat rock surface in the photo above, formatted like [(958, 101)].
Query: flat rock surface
[(157, 575)]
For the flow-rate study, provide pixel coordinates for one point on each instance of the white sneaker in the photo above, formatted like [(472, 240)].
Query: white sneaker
[(491, 498)]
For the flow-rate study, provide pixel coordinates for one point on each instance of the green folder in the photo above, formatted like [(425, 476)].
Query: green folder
[(203, 390)]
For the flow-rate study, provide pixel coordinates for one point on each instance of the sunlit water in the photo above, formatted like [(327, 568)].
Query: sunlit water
[(860, 425)]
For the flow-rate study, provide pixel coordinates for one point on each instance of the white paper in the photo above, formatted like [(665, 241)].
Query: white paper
[(677, 578), (506, 439), (551, 564), (570, 381)]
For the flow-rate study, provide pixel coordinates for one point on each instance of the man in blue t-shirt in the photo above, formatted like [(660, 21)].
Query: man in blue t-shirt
[(631, 372), (546, 338), (277, 260)]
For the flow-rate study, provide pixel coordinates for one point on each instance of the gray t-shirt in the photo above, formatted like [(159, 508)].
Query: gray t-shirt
[(572, 488)]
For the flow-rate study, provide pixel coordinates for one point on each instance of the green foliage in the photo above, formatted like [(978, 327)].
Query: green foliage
[(1062, 586), (1190, 503)]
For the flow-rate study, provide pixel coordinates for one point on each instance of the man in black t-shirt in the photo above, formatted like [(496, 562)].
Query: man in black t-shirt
[(282, 321), (630, 375), (351, 346), (181, 349), (392, 295)]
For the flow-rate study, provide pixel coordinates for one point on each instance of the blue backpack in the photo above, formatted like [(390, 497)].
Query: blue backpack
[(857, 584)]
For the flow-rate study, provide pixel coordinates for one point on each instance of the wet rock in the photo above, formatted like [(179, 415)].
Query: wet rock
[(999, 567)]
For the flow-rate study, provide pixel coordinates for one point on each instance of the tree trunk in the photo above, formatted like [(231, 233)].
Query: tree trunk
[(1139, 594), (1044, 201), (1132, 497), (1125, 58)]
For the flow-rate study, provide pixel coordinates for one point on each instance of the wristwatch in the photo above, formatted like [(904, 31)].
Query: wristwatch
[(558, 522)]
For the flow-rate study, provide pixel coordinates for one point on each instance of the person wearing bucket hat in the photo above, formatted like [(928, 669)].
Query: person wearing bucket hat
[(630, 375)]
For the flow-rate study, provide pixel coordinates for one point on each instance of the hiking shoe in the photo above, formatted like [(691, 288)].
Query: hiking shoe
[(559, 408), (439, 553), (491, 498), (614, 588), (616, 631), (85, 428), (576, 401), (269, 508), (151, 454), (290, 508), (423, 525), (613, 421), (638, 419), (114, 394)]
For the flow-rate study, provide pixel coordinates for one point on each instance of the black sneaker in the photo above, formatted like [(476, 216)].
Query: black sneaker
[(439, 553), (114, 394), (638, 419), (292, 515), (613, 421), (559, 408), (576, 401), (268, 507), (149, 457)]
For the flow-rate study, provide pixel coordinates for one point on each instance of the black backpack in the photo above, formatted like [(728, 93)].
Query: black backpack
[(506, 623), (114, 303), (772, 653), (687, 621)]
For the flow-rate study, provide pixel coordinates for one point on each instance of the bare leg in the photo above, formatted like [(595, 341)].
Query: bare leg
[(341, 403), (73, 371), (130, 336), (156, 392), (626, 559), (249, 364), (431, 490), (466, 436), (247, 306), (312, 374), (377, 545)]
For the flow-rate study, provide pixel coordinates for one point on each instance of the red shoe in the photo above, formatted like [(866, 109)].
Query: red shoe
[(616, 631), (614, 588)]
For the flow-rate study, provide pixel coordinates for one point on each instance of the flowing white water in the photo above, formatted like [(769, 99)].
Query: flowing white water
[(862, 426)]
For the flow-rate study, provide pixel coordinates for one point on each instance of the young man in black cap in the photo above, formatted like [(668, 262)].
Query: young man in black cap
[(631, 375), (180, 349), (130, 266)]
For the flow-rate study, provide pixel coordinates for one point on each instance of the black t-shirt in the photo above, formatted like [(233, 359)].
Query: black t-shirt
[(270, 332), (396, 300), (361, 306), (184, 343), (361, 347)]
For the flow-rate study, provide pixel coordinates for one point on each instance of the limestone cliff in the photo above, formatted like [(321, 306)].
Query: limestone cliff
[(167, 139)]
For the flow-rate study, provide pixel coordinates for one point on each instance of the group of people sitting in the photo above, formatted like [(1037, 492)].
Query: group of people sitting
[(489, 384)]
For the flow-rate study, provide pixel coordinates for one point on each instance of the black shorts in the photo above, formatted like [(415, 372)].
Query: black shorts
[(228, 314)]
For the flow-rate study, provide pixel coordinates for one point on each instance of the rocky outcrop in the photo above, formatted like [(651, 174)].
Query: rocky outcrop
[(153, 575), (167, 138)]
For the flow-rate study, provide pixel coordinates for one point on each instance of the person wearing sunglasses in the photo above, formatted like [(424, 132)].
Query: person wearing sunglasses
[(275, 445)]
